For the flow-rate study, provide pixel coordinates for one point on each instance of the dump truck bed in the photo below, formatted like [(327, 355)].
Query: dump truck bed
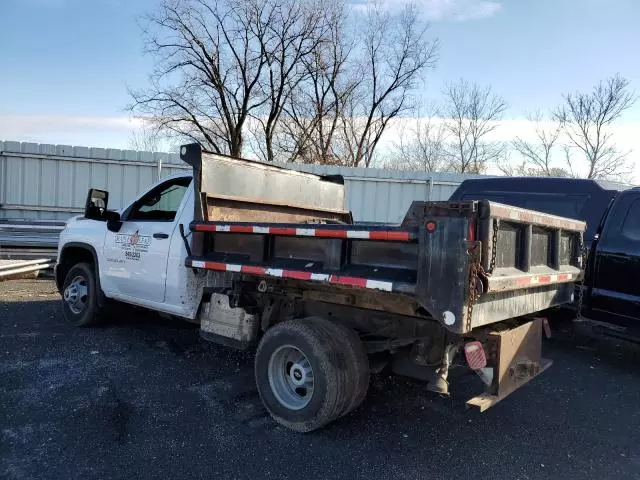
[(466, 264), (457, 276)]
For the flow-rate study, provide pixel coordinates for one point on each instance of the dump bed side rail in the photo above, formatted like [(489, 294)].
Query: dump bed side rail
[(365, 232), (326, 253)]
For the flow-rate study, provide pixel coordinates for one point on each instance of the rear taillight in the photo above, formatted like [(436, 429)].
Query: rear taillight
[(430, 226), (471, 234), (474, 353)]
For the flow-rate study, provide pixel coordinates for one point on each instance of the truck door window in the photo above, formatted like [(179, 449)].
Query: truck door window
[(631, 225), (160, 204)]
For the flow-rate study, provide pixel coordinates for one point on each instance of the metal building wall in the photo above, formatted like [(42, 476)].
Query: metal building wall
[(377, 195), (42, 181), (50, 182)]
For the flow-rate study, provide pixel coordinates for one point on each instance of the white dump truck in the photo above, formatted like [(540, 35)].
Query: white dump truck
[(264, 256)]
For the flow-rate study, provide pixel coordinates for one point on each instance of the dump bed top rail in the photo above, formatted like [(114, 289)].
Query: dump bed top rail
[(522, 215)]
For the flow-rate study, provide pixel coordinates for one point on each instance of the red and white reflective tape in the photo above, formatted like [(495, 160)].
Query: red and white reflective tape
[(293, 274), (389, 235), (543, 279)]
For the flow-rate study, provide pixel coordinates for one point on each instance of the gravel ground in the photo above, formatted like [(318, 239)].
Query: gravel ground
[(145, 397)]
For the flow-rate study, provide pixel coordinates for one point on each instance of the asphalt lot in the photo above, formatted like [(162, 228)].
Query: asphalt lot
[(145, 397)]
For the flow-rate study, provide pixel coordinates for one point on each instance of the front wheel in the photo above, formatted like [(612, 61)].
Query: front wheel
[(79, 296), (310, 372)]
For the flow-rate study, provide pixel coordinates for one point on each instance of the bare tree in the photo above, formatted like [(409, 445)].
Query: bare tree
[(526, 170), (310, 126), (145, 139), (290, 72), (587, 119), (394, 56), (219, 63), (294, 36), (421, 147), (472, 113), (208, 64), (540, 152)]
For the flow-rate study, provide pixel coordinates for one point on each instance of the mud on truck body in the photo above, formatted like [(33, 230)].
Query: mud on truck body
[(262, 255)]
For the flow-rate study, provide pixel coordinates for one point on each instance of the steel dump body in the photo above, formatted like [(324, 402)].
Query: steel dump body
[(464, 264)]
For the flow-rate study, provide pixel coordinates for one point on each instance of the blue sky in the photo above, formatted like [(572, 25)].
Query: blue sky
[(66, 64)]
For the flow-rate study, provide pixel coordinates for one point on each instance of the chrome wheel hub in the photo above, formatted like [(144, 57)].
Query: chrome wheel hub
[(291, 377), (76, 294)]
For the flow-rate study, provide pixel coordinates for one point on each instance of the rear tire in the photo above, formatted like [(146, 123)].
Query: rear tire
[(310, 372), (79, 296), (358, 363)]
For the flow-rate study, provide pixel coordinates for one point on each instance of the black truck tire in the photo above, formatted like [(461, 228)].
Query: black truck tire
[(80, 297), (310, 372), (359, 365)]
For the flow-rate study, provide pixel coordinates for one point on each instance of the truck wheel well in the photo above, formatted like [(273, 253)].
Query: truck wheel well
[(70, 256)]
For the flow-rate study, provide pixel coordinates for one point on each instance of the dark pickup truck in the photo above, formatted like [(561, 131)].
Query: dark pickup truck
[(612, 212)]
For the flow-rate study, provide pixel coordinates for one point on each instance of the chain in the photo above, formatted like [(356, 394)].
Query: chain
[(583, 253), (494, 250), (474, 270)]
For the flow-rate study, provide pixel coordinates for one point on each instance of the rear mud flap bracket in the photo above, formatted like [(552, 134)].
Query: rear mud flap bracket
[(515, 355)]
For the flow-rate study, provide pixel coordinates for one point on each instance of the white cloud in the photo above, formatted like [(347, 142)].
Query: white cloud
[(436, 10), (113, 132), (624, 135), (460, 10), (116, 132), (58, 122)]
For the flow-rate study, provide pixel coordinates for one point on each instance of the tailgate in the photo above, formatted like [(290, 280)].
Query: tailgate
[(523, 248), (527, 262)]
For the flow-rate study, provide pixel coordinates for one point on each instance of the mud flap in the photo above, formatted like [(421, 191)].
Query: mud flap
[(514, 353)]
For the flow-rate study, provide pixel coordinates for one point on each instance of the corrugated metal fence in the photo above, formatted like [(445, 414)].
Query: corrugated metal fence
[(50, 182), (377, 195)]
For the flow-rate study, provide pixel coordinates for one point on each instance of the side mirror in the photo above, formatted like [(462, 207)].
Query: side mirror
[(96, 204), (113, 221)]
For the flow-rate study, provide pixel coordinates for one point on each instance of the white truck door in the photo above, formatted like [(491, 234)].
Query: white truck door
[(136, 256)]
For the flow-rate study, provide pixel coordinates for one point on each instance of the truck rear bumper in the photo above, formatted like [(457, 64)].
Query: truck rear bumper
[(514, 359)]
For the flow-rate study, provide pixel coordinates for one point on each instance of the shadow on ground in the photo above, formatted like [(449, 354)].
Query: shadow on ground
[(145, 397)]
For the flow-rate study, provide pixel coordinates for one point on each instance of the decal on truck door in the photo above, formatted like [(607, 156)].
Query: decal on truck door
[(133, 245)]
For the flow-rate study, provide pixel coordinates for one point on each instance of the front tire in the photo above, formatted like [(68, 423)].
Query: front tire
[(310, 372), (79, 296)]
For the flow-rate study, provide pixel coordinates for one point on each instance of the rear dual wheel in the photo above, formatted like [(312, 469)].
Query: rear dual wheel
[(310, 372)]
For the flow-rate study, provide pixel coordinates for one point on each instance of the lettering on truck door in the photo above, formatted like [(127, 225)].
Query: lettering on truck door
[(136, 256)]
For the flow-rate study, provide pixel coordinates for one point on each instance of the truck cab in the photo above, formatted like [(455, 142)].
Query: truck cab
[(137, 254), (612, 290)]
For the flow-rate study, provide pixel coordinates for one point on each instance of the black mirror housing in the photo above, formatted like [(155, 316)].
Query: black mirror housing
[(96, 204), (113, 221), (95, 208)]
